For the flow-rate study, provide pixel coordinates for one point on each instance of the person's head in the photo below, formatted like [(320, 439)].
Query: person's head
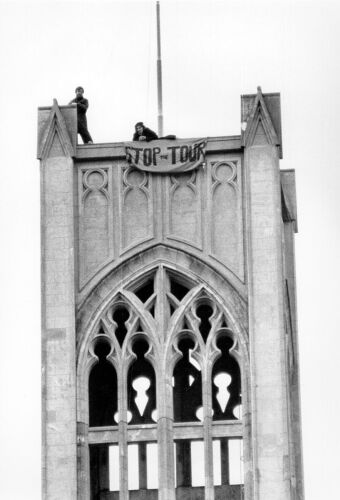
[(139, 127), (79, 91)]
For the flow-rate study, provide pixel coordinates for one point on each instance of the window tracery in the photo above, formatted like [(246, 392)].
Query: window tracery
[(226, 380), (141, 383), (168, 343)]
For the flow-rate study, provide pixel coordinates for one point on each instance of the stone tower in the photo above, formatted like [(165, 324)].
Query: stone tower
[(169, 342)]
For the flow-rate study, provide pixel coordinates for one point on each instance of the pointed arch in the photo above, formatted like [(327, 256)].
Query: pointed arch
[(136, 265), (138, 315), (170, 297), (209, 285), (196, 296), (190, 268)]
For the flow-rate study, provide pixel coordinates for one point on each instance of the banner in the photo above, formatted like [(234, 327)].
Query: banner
[(164, 156)]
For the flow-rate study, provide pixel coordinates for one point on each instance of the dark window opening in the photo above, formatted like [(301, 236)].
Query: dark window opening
[(102, 389), (224, 323), (99, 471), (183, 463), (187, 390), (178, 290), (120, 316), (226, 383), (101, 330), (204, 312), (141, 386), (145, 291), (190, 473)]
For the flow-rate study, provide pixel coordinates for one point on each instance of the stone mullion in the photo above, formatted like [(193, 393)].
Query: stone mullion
[(104, 468), (162, 310), (166, 472), (207, 432), (142, 465), (224, 460), (166, 464), (123, 434)]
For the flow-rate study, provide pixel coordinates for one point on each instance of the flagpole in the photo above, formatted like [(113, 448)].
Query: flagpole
[(159, 73)]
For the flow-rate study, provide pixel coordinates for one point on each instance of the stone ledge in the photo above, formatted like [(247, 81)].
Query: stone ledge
[(116, 149)]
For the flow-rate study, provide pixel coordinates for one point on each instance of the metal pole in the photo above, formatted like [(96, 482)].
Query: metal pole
[(159, 74)]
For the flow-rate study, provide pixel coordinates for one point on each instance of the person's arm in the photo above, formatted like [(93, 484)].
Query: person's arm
[(83, 104), (150, 135), (72, 102)]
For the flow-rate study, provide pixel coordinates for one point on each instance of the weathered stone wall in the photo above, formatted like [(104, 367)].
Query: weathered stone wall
[(292, 347), (123, 211)]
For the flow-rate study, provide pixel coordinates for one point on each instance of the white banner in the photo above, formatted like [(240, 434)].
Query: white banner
[(164, 156)]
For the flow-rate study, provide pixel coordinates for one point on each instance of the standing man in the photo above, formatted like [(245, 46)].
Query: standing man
[(82, 105)]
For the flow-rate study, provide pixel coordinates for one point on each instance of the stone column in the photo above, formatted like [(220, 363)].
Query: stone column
[(266, 319), (58, 304), (207, 430), (123, 433), (58, 311), (166, 463)]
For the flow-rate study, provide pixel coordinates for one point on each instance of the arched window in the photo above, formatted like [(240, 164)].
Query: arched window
[(102, 410), (226, 402), (226, 383), (141, 386), (167, 388), (187, 384), (102, 388)]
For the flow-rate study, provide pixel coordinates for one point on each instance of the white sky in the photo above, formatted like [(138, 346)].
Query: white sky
[(212, 53)]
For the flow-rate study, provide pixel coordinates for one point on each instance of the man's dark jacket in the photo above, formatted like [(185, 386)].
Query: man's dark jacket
[(82, 105), (149, 134)]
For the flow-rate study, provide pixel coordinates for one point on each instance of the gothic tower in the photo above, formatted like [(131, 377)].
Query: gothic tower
[(169, 341)]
